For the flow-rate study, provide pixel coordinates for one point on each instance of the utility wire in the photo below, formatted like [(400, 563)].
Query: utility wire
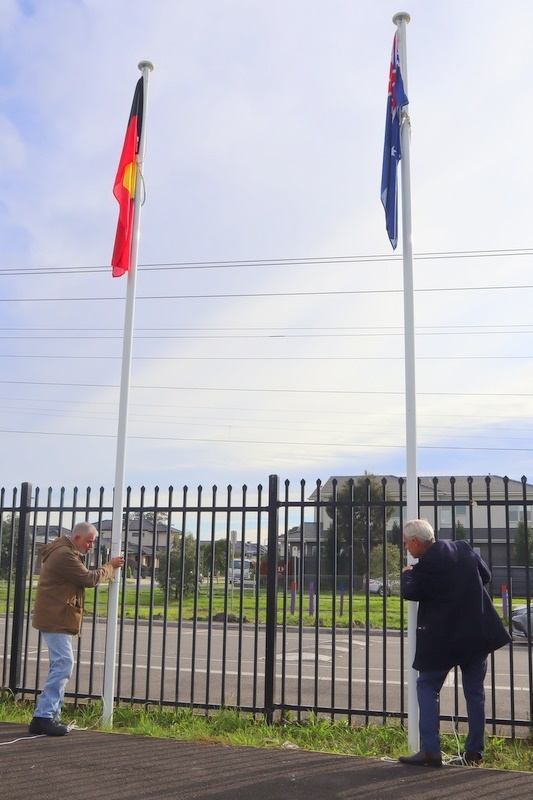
[(271, 262), (102, 356), (269, 390), (239, 423), (89, 337), (284, 443), (236, 295), (255, 409), (445, 329)]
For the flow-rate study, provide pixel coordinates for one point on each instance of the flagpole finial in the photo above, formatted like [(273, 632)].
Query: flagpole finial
[(145, 64), (401, 16)]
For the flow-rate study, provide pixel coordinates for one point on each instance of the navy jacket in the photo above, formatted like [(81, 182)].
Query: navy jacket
[(456, 621)]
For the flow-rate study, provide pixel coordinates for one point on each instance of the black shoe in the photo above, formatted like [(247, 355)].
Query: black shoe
[(422, 759), (48, 726)]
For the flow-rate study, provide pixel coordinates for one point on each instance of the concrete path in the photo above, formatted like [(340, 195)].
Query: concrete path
[(90, 766)]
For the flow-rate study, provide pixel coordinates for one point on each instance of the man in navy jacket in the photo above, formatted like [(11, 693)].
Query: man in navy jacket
[(457, 625)]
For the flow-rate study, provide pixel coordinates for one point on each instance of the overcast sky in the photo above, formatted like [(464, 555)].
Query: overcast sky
[(269, 314)]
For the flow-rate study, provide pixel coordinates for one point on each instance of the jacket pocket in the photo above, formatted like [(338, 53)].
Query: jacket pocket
[(72, 616)]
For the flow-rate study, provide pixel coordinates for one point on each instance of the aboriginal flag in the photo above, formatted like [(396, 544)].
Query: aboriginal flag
[(124, 187)]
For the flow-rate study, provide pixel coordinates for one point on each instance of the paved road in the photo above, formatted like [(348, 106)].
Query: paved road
[(227, 668)]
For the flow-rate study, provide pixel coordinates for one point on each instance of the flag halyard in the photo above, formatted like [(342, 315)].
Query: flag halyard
[(392, 150), (125, 185)]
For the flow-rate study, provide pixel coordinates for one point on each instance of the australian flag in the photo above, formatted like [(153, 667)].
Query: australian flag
[(392, 151)]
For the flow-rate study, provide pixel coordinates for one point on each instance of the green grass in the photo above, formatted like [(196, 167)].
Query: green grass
[(382, 612), (233, 728), (152, 604)]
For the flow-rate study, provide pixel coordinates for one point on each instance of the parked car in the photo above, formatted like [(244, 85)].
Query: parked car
[(519, 621), (244, 570), (376, 586)]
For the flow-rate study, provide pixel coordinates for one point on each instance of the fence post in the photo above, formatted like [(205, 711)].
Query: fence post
[(271, 598), (17, 632)]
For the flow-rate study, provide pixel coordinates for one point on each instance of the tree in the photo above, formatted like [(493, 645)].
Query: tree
[(395, 535), (393, 557), (523, 544), (150, 516), (219, 564), (460, 532), (8, 547), (188, 576), (359, 525)]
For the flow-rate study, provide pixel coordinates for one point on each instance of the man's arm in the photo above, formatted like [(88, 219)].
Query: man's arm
[(409, 583), (484, 571), (71, 568)]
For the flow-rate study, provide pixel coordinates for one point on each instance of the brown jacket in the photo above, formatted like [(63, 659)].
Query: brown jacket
[(61, 588)]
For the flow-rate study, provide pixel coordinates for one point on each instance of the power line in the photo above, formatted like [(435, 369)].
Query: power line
[(272, 262), (254, 409), (269, 390), (85, 336), (103, 356), (459, 329), (236, 295), (232, 441), (272, 424)]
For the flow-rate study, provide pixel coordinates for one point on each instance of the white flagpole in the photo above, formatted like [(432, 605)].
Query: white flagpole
[(120, 466), (400, 20)]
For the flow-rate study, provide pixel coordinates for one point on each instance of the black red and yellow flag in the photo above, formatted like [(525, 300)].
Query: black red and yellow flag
[(124, 187)]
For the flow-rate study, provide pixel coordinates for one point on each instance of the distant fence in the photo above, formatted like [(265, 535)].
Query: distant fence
[(307, 630)]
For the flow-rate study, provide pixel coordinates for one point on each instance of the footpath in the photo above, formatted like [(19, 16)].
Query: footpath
[(93, 765)]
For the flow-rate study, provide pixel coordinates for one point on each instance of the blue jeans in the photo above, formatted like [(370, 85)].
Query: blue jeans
[(61, 665), (428, 688)]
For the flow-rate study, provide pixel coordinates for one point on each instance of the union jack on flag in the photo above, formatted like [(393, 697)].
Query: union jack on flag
[(392, 150)]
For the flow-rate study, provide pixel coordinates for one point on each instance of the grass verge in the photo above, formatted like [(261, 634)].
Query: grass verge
[(230, 727), (333, 610)]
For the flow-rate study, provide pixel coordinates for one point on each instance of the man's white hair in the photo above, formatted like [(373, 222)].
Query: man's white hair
[(419, 529), (83, 529)]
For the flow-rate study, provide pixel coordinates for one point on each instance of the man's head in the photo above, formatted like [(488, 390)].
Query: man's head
[(84, 536), (418, 535)]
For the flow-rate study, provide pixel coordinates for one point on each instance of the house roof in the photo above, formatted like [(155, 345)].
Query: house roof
[(134, 526), (310, 532), (445, 486), (50, 532)]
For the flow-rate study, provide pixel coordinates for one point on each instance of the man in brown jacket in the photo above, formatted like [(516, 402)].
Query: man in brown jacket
[(58, 614)]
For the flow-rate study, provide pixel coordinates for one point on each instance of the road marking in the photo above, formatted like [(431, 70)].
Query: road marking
[(304, 657)]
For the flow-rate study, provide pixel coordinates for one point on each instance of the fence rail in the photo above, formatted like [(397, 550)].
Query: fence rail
[(303, 631)]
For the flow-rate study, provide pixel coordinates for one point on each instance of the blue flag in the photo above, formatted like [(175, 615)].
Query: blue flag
[(392, 150)]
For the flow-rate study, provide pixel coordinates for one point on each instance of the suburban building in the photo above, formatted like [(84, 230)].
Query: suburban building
[(43, 535), (144, 541), (485, 509)]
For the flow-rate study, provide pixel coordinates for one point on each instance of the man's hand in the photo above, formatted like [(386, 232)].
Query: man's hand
[(409, 566), (117, 561)]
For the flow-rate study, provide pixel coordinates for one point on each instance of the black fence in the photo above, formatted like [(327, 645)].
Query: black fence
[(269, 601)]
